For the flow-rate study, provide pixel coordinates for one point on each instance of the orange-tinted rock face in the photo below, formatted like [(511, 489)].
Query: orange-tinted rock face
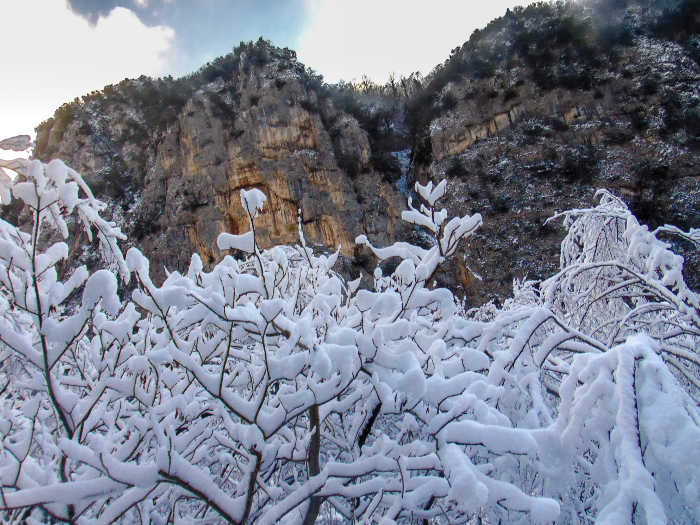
[(250, 129)]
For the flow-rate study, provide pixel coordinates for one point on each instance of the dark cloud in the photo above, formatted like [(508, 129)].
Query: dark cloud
[(208, 28), (93, 9)]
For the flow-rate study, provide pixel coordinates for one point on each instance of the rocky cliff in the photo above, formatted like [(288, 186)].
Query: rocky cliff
[(527, 118), (172, 156), (551, 102)]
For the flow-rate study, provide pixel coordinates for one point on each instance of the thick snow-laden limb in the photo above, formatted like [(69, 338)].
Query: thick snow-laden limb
[(267, 389), (693, 235), (626, 423), (430, 194), (618, 279), (66, 493)]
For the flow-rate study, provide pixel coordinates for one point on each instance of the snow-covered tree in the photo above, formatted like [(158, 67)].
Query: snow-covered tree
[(269, 389)]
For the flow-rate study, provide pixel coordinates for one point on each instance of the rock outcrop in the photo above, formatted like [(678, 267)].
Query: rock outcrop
[(546, 127), (175, 184)]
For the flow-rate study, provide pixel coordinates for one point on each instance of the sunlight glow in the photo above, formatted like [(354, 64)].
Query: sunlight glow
[(51, 56), (344, 40)]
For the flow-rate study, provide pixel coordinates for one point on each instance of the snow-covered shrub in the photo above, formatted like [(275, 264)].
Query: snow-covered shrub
[(268, 389), (618, 279)]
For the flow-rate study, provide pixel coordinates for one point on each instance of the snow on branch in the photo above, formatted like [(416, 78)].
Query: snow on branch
[(267, 389), (447, 236)]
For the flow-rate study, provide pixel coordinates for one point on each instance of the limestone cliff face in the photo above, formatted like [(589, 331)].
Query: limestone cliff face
[(490, 107), (175, 185), (481, 117)]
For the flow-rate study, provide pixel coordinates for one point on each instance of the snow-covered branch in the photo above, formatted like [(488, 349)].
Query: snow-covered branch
[(267, 389)]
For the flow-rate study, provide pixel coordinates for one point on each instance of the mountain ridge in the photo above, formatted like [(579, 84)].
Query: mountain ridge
[(521, 125)]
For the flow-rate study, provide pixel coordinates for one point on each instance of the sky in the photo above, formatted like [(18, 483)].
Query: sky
[(53, 51)]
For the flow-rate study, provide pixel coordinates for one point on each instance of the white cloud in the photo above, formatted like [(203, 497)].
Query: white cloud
[(51, 55), (346, 39)]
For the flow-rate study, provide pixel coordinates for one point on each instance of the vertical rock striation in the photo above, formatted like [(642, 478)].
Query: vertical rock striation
[(174, 183)]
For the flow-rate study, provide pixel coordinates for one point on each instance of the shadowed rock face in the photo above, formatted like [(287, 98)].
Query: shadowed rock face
[(518, 153), (175, 185)]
